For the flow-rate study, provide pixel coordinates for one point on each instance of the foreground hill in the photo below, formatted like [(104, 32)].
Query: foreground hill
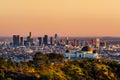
[(52, 67)]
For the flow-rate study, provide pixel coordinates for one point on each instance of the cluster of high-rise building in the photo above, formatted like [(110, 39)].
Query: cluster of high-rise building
[(20, 41), (54, 40)]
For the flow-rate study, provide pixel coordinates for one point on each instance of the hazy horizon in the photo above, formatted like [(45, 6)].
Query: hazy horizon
[(34, 36), (79, 18)]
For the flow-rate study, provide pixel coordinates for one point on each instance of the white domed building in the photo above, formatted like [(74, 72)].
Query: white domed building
[(86, 52)]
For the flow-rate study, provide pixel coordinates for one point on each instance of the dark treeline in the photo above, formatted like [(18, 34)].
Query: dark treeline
[(53, 67)]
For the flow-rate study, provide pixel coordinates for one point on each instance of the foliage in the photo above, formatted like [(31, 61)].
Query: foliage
[(3, 63), (41, 69), (40, 60), (53, 57), (2, 74)]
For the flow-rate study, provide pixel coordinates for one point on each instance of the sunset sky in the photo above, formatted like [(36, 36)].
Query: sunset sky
[(66, 17)]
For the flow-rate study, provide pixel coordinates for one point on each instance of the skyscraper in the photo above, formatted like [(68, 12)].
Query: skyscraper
[(56, 36), (30, 39), (56, 39), (21, 41), (45, 40), (52, 40), (16, 40), (30, 35), (40, 41)]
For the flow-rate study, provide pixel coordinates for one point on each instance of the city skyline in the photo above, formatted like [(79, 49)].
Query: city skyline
[(77, 18)]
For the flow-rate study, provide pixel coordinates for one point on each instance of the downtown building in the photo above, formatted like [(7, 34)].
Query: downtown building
[(16, 40)]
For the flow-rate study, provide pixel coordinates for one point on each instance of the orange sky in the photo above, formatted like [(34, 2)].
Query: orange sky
[(65, 17)]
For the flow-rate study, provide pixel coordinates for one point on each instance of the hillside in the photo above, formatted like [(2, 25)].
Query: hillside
[(52, 67)]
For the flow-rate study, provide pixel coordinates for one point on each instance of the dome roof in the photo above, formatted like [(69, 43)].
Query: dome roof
[(87, 48)]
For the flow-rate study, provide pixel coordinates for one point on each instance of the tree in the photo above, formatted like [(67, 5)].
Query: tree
[(19, 66), (2, 74), (9, 79), (11, 64), (40, 60), (3, 63), (53, 57), (25, 67)]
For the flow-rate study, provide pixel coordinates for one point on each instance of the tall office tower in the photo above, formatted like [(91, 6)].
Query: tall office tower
[(97, 42), (52, 40), (21, 41), (45, 40), (56, 39), (30, 35), (30, 39), (25, 43), (56, 36), (40, 41), (16, 40)]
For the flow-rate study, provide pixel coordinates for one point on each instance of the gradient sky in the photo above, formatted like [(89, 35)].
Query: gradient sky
[(65, 17)]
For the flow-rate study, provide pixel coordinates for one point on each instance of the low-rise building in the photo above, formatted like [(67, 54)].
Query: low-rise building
[(85, 52)]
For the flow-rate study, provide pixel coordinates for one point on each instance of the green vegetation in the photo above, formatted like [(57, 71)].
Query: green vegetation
[(52, 67)]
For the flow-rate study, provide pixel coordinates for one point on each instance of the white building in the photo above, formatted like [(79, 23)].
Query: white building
[(86, 52)]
